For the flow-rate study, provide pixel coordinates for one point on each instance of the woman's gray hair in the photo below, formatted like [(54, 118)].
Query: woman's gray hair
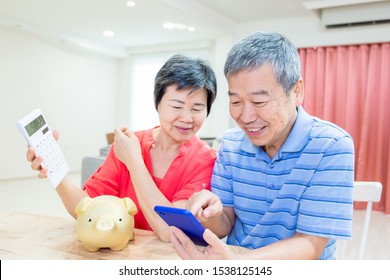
[(262, 48), (187, 73)]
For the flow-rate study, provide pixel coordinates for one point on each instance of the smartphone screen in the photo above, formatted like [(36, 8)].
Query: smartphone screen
[(183, 219)]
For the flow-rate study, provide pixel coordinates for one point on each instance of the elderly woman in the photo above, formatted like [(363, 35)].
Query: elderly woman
[(163, 165)]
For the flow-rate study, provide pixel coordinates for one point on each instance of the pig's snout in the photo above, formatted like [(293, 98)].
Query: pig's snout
[(105, 224)]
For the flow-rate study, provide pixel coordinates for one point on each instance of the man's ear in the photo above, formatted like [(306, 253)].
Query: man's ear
[(299, 92)]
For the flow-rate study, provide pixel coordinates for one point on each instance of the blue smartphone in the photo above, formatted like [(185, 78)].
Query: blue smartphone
[(183, 219)]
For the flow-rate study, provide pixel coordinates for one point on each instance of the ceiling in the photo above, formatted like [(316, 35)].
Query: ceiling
[(81, 22)]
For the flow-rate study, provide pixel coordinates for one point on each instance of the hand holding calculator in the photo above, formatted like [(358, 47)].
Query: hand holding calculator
[(37, 133)]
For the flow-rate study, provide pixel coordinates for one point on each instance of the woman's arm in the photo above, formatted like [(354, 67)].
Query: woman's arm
[(69, 192), (128, 150)]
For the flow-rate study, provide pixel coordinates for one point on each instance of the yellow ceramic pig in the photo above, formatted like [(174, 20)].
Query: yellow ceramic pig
[(105, 222)]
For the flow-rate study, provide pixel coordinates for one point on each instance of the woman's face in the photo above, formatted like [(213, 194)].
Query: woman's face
[(181, 113)]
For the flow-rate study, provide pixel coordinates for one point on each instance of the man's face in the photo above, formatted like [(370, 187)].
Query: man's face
[(261, 108)]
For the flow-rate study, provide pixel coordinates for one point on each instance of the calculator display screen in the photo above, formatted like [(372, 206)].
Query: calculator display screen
[(35, 125)]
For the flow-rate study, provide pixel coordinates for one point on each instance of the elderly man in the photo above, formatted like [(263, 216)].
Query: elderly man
[(282, 184)]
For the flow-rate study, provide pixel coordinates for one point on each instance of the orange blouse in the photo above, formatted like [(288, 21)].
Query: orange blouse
[(189, 172)]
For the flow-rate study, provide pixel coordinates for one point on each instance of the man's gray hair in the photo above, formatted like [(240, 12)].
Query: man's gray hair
[(262, 48)]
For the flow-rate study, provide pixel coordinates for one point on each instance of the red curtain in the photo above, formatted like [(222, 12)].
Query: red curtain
[(350, 86)]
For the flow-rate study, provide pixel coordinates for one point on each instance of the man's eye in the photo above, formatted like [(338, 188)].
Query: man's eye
[(176, 107), (259, 103)]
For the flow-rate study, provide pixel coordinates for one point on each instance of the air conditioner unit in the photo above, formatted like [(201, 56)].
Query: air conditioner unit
[(351, 13)]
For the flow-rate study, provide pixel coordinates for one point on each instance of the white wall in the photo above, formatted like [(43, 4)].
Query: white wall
[(76, 91), (219, 119), (309, 32), (304, 32), (137, 111), (84, 95)]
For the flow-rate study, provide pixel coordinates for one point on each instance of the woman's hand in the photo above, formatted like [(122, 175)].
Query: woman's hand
[(36, 162), (127, 148)]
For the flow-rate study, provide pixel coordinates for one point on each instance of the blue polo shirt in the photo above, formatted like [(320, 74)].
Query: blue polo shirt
[(307, 187)]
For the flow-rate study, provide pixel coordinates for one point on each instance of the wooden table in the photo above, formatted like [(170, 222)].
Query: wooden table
[(32, 236)]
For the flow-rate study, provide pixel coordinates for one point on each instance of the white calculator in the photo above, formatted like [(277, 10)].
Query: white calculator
[(36, 131)]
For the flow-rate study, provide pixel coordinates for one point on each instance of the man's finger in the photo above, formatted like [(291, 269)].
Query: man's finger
[(212, 210), (217, 249), (211, 238), (184, 246)]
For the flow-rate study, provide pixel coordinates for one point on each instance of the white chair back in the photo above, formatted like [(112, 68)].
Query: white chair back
[(369, 192)]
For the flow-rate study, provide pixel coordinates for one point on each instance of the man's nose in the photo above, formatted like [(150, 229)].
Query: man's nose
[(248, 114)]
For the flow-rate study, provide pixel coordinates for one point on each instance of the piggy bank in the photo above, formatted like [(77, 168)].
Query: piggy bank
[(105, 222)]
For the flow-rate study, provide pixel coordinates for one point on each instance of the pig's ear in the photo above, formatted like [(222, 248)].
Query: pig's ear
[(82, 205), (130, 205)]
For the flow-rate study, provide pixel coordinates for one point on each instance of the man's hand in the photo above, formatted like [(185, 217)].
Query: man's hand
[(204, 205), (216, 250)]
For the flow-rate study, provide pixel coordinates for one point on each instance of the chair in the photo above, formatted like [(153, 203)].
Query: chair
[(369, 192), (213, 142), (90, 164)]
